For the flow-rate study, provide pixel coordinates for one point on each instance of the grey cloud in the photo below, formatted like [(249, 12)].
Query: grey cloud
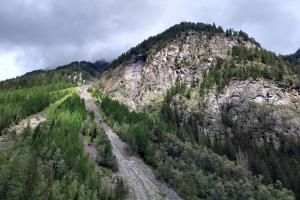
[(41, 34)]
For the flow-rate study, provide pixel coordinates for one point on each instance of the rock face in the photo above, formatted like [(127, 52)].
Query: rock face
[(144, 80), (237, 99), (264, 107), (257, 106), (138, 83), (243, 93)]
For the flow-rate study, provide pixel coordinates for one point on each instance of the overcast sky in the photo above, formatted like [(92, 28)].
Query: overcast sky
[(38, 34)]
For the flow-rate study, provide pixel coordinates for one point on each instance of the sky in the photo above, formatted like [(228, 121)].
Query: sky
[(43, 34)]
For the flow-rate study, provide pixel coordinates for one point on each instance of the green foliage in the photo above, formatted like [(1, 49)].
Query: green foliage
[(19, 103), (263, 160), (61, 75), (185, 129), (89, 127), (193, 170), (222, 73), (294, 60), (120, 113), (50, 163), (95, 93), (106, 157), (274, 164), (137, 134), (294, 64), (121, 190), (241, 54), (36, 78)]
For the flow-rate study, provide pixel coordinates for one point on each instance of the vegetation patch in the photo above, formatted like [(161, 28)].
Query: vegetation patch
[(193, 170)]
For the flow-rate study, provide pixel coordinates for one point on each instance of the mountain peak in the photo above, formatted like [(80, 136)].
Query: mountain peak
[(297, 53), (164, 38), (182, 52)]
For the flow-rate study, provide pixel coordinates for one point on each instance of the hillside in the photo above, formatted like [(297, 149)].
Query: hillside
[(45, 134), (294, 61), (218, 89), (73, 73), (181, 53), (196, 112), (30, 93)]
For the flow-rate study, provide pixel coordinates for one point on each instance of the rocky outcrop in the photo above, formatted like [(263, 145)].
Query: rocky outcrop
[(138, 83), (144, 80), (256, 102), (76, 77), (258, 106), (243, 107)]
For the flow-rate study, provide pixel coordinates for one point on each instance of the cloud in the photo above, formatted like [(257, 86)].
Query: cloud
[(41, 34), (8, 66)]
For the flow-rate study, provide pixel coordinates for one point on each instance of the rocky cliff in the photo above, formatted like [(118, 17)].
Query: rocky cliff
[(220, 89), (144, 79), (258, 105), (139, 82)]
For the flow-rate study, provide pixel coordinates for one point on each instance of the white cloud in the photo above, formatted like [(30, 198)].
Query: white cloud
[(9, 67), (50, 33), (15, 62)]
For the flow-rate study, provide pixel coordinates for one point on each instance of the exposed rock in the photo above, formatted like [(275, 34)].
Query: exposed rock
[(137, 83), (259, 101), (141, 181), (261, 107), (261, 92), (144, 80), (32, 121), (76, 77)]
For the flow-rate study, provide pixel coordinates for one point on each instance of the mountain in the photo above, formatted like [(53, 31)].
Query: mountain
[(183, 52), (101, 65), (219, 89), (202, 112), (294, 61), (294, 58), (49, 140), (75, 72)]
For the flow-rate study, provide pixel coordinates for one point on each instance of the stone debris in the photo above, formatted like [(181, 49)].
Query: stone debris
[(142, 183)]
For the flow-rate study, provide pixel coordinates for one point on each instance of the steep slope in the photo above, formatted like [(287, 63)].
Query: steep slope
[(28, 94), (43, 156), (142, 182), (193, 170), (49, 162), (294, 59), (209, 111), (294, 62), (144, 78), (217, 89)]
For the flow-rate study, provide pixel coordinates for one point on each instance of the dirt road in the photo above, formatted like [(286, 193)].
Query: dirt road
[(143, 184)]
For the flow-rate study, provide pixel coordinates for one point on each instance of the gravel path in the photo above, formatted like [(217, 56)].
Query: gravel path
[(143, 184)]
